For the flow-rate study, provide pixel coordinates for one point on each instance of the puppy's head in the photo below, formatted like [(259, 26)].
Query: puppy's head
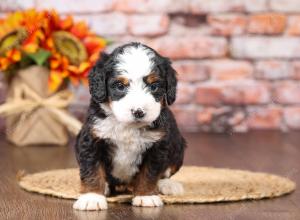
[(133, 83)]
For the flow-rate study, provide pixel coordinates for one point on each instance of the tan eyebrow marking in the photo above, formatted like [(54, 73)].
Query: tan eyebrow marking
[(152, 78), (123, 80)]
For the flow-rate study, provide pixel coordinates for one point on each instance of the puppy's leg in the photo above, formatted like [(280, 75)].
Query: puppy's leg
[(93, 189), (145, 190), (92, 174), (167, 186)]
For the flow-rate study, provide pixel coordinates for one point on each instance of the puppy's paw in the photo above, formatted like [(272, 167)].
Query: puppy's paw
[(90, 201), (170, 187), (147, 201)]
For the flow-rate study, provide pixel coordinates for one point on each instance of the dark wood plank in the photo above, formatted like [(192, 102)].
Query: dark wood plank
[(273, 152)]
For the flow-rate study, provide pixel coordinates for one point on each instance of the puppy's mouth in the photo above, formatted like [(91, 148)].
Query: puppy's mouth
[(139, 123)]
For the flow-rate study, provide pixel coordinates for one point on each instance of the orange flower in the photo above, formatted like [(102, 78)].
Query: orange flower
[(66, 23), (31, 31), (55, 80), (50, 22), (11, 23), (11, 57), (80, 30), (31, 44), (4, 63), (94, 44), (14, 55)]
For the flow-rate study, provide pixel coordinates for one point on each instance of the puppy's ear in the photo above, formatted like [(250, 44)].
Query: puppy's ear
[(97, 79), (171, 82)]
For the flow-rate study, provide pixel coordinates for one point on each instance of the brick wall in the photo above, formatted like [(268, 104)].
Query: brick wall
[(238, 60)]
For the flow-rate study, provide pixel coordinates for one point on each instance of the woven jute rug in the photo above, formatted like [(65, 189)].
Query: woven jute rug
[(201, 185)]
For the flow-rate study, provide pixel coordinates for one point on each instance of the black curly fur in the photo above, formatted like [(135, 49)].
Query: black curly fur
[(93, 152), (97, 79)]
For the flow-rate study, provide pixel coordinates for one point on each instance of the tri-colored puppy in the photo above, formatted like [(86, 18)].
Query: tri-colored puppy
[(130, 138)]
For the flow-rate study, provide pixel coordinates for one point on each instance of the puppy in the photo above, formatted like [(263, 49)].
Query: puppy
[(130, 138)]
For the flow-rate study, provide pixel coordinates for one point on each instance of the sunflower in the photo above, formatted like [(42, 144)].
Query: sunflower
[(12, 33), (67, 47)]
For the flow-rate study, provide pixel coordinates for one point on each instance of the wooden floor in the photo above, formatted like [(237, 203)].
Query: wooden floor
[(262, 151)]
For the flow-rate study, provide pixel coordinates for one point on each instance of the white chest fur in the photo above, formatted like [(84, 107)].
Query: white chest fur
[(130, 141)]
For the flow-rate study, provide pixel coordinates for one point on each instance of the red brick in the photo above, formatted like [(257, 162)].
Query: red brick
[(146, 6), (240, 92), (86, 6), (178, 29), (191, 71), (227, 25), (265, 47), (272, 69), (245, 92), (267, 23), (256, 5), (215, 6), (264, 118), (285, 5), (190, 46), (81, 95), (287, 92), (221, 119), (209, 94), (242, 127), (186, 117), (205, 116), (106, 24), (8, 5), (221, 6), (156, 25), (229, 69), (185, 93), (291, 116), (296, 70), (293, 27)]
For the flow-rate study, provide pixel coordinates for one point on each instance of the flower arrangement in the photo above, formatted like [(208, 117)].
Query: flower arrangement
[(67, 48)]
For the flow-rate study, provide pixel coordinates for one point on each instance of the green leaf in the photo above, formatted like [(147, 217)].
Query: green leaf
[(109, 42), (40, 57)]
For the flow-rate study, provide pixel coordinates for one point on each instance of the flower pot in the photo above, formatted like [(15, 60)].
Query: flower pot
[(35, 124)]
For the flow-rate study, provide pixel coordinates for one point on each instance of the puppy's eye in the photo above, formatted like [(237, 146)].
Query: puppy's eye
[(154, 87), (120, 86)]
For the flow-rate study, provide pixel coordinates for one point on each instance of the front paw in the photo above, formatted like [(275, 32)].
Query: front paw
[(90, 201), (147, 201), (170, 187)]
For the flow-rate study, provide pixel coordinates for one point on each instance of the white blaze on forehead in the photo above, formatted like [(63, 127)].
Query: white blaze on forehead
[(135, 62)]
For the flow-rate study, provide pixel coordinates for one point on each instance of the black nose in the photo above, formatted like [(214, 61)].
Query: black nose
[(139, 113)]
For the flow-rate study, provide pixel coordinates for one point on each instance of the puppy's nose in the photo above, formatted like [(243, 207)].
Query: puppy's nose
[(138, 113)]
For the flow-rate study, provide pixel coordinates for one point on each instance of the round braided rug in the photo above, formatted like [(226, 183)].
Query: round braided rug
[(201, 185)]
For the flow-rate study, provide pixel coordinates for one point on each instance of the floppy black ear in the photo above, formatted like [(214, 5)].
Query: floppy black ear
[(171, 82), (97, 79)]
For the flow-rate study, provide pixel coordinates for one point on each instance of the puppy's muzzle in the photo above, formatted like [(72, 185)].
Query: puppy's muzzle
[(138, 113)]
